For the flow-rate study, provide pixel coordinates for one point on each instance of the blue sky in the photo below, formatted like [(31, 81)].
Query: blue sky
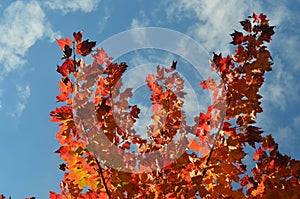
[(29, 81)]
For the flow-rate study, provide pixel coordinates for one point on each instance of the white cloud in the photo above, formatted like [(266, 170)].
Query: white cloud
[(67, 6), (23, 23), (297, 122), (140, 35), (104, 19), (23, 94), (216, 19), (287, 140)]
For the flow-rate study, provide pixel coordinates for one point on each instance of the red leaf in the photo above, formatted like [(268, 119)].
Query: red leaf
[(255, 17), (237, 37), (65, 89), (262, 17), (170, 196), (269, 143), (60, 114), (100, 56), (64, 42), (135, 111), (244, 181), (253, 135), (194, 145), (66, 68), (77, 36), (62, 97), (257, 153), (201, 147), (126, 145), (246, 25), (84, 48), (227, 130), (53, 195), (208, 84)]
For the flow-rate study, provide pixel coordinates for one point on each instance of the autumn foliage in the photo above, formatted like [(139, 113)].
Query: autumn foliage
[(211, 153)]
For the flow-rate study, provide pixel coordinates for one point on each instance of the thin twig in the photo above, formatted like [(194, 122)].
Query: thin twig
[(102, 177)]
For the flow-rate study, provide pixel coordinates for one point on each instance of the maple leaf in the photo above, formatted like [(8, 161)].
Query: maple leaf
[(258, 153), (190, 175), (227, 130), (269, 143), (208, 84), (134, 112), (246, 25), (67, 52), (66, 68), (53, 195), (85, 48), (173, 65), (61, 114), (237, 37), (201, 147), (65, 89), (100, 56), (253, 135), (64, 42), (62, 167), (77, 36), (126, 145)]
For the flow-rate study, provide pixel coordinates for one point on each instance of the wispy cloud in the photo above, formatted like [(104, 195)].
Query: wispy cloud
[(66, 6), (281, 88), (215, 19), (288, 140), (102, 22), (23, 93), (140, 35), (297, 122), (22, 24)]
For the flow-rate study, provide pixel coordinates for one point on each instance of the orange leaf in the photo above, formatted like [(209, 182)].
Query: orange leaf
[(257, 153), (66, 68), (64, 42), (84, 48), (126, 145)]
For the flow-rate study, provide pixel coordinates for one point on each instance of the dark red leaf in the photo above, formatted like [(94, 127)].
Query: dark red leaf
[(237, 38), (67, 52), (173, 65), (135, 111), (77, 36), (66, 68), (246, 25), (85, 48)]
